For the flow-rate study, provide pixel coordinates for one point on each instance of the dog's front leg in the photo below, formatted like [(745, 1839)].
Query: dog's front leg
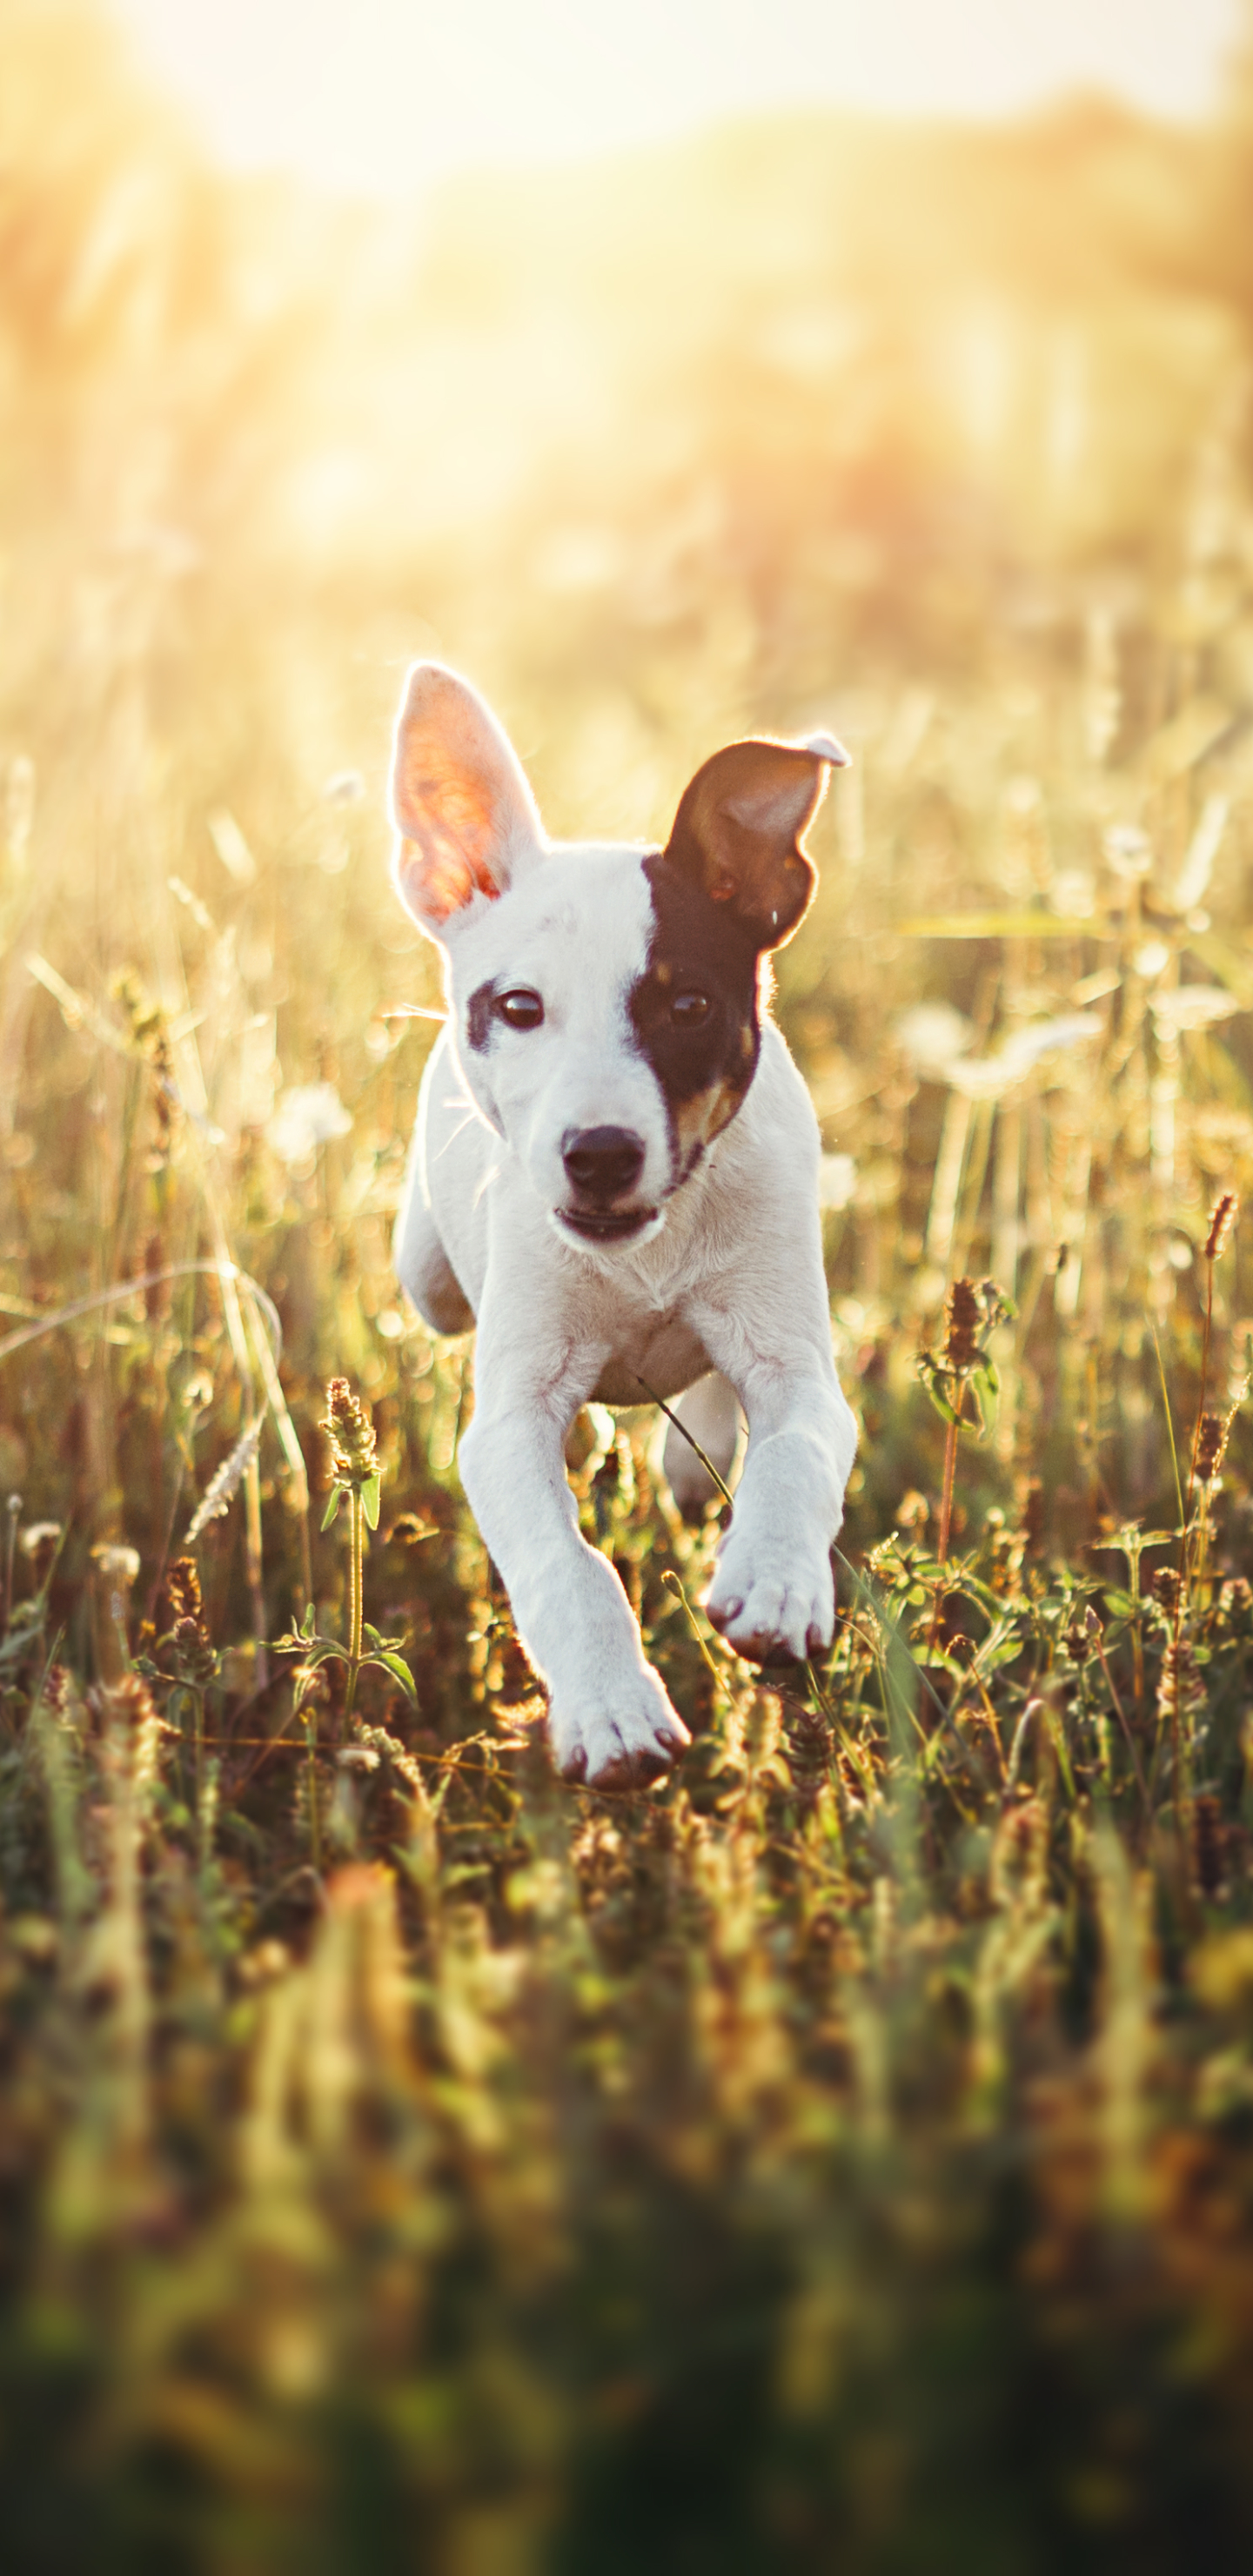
[(610, 1721), (773, 1594)]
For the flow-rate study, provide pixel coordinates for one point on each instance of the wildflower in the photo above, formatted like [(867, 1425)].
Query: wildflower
[(837, 1179), (1128, 852), (38, 1543), (191, 1649), (1222, 1217), (118, 1566), (353, 1443), (309, 1115), (932, 1034)]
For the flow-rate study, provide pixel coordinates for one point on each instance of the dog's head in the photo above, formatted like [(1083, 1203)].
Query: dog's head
[(605, 1001)]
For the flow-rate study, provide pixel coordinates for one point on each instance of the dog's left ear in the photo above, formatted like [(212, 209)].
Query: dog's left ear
[(739, 825), (464, 814)]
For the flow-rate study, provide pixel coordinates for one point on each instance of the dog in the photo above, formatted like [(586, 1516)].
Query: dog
[(614, 1175)]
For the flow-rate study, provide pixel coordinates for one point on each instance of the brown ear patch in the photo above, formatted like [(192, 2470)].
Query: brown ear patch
[(737, 833)]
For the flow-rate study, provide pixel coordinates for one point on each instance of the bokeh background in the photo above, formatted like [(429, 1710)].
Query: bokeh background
[(842, 2157)]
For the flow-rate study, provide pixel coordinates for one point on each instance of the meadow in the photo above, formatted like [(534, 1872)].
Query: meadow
[(841, 2156)]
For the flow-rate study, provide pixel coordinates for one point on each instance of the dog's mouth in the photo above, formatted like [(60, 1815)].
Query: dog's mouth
[(606, 1225)]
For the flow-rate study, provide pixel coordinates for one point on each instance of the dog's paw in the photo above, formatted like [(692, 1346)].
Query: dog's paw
[(620, 1738), (771, 1605)]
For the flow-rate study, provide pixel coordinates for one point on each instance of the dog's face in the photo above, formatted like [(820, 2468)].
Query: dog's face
[(605, 1001)]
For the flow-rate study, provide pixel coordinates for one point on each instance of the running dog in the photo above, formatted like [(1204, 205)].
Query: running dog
[(614, 1175)]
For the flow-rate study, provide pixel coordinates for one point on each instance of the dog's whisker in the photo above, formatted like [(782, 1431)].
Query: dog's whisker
[(458, 1130)]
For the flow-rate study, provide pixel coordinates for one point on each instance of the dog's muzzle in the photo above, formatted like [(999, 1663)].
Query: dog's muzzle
[(601, 1165)]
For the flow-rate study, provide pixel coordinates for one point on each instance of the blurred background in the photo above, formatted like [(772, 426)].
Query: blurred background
[(887, 369), (674, 372)]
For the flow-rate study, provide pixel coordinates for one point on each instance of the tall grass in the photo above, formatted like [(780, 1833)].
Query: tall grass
[(841, 2155)]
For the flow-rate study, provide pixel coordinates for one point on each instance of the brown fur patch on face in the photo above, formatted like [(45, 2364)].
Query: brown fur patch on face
[(694, 1011), (702, 1117)]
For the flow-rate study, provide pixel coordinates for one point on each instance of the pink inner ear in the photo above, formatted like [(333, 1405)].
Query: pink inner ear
[(439, 876), (449, 863)]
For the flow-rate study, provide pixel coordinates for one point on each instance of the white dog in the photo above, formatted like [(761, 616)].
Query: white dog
[(614, 1173)]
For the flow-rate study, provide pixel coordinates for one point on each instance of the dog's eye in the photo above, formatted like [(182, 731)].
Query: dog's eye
[(689, 1009), (521, 1009)]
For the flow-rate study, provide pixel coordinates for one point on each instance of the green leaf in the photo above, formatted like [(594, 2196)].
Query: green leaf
[(370, 1499), (399, 1670), (332, 1509), (942, 1405), (991, 1658), (306, 1624), (985, 1386)]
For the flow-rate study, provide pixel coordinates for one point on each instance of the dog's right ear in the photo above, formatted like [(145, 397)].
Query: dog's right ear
[(739, 831), (462, 808)]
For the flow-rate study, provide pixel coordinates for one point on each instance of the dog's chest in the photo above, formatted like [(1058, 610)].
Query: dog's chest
[(640, 1308), (660, 1350)]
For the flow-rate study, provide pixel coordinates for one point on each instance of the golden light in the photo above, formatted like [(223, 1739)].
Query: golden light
[(384, 95)]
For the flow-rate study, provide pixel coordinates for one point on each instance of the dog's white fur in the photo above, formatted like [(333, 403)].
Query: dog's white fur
[(724, 1273)]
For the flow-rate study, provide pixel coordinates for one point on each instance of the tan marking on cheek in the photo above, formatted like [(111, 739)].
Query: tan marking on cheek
[(706, 1114)]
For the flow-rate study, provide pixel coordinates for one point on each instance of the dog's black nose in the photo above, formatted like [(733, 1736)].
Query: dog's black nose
[(602, 1161)]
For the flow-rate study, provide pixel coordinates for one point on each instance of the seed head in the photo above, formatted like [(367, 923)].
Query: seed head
[(1222, 1218), (39, 1538), (352, 1437), (1211, 1441), (962, 1318)]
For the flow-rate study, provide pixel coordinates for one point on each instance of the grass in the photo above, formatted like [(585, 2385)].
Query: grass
[(843, 2154)]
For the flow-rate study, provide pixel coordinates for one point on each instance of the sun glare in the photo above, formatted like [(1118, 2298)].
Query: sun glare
[(384, 96)]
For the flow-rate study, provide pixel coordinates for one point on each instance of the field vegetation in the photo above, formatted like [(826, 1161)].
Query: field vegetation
[(843, 2155)]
